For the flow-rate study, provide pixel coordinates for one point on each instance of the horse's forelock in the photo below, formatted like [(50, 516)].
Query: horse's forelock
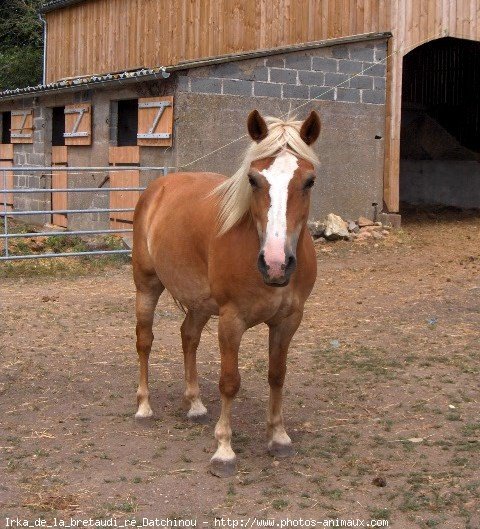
[(235, 192)]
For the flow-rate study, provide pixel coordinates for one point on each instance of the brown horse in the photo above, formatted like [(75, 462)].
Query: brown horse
[(238, 248)]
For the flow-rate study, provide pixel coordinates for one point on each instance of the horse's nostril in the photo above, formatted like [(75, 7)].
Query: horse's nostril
[(262, 264), (291, 263)]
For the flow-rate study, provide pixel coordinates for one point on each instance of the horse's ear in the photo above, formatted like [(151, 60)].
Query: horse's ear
[(257, 128), (311, 128)]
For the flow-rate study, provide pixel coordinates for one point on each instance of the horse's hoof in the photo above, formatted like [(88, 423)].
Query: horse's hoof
[(223, 468), (280, 450), (144, 416), (198, 419), (143, 411)]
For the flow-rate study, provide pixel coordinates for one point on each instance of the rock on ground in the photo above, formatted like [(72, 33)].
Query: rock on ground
[(316, 228), (363, 221), (335, 228)]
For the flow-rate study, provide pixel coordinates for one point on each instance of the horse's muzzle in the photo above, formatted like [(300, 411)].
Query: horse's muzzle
[(279, 274)]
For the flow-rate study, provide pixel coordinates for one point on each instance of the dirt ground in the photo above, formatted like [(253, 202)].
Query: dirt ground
[(382, 389)]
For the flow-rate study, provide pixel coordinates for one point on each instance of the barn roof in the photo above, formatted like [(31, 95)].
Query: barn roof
[(162, 72), (50, 5), (91, 81)]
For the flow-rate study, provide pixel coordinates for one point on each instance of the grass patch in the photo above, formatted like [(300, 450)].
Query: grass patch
[(279, 504), (376, 362), (125, 507), (381, 513), (472, 429), (61, 266)]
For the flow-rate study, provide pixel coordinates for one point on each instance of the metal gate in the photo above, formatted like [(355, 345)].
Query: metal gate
[(11, 213)]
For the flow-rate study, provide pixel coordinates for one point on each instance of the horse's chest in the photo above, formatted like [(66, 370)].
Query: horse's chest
[(276, 305)]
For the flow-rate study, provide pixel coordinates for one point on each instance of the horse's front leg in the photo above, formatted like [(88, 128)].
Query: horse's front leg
[(280, 335), (230, 331)]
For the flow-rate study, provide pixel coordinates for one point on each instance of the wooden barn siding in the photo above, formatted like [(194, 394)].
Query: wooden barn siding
[(102, 36), (414, 22)]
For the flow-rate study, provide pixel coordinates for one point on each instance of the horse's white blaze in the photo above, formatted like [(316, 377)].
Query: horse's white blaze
[(278, 175)]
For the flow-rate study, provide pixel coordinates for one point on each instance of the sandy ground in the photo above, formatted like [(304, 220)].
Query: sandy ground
[(382, 389)]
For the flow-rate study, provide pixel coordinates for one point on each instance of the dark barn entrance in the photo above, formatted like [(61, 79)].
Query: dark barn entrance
[(440, 132)]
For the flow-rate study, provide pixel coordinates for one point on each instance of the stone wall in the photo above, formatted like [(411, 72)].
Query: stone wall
[(33, 154)]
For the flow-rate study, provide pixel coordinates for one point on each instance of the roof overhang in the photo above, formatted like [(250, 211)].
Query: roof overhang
[(51, 5), (86, 83)]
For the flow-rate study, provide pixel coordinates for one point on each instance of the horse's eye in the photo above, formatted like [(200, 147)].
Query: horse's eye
[(253, 182), (309, 183)]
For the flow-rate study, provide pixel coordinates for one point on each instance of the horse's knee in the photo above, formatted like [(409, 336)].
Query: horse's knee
[(229, 384), (144, 345)]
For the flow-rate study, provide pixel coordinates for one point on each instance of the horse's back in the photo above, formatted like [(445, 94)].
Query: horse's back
[(175, 199)]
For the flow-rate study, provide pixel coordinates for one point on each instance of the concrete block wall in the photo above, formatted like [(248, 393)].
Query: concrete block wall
[(347, 73), (351, 145)]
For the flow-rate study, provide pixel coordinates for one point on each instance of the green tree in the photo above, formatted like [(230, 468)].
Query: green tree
[(21, 44)]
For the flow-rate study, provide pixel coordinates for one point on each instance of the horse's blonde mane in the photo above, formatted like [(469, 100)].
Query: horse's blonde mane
[(236, 191)]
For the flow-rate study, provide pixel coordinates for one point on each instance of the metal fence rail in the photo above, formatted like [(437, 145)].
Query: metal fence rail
[(8, 235)]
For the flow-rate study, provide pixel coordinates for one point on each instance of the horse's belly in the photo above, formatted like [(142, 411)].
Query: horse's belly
[(186, 283)]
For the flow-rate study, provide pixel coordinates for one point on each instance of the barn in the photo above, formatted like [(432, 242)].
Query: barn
[(146, 83)]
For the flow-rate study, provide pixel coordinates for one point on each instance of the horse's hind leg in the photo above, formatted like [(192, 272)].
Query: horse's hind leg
[(149, 289), (191, 331)]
